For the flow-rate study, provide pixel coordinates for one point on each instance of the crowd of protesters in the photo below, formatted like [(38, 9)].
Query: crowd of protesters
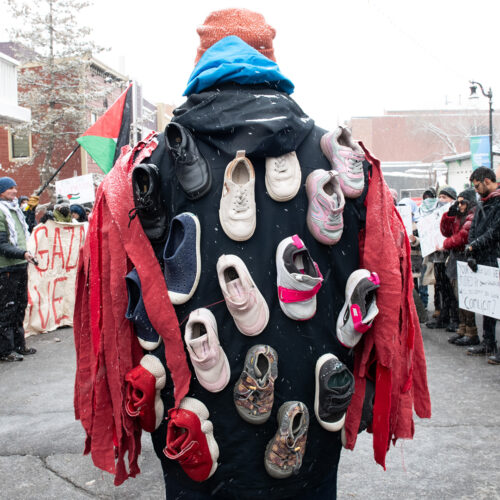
[(18, 217), (471, 231)]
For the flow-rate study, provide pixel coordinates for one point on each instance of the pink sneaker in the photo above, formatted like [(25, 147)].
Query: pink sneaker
[(346, 158), (207, 356), (326, 204), (243, 299)]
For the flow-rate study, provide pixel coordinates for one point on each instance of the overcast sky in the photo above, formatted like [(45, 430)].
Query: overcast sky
[(349, 58)]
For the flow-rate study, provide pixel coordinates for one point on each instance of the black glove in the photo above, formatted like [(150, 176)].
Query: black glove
[(453, 210), (471, 262)]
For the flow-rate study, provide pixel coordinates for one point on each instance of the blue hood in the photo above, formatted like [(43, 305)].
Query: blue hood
[(233, 60)]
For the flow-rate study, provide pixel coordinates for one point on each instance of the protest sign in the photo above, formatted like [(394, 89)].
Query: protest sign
[(479, 291), (405, 213), (51, 283), (78, 189), (429, 231)]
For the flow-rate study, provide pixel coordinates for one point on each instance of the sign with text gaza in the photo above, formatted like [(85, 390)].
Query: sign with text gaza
[(51, 283), (479, 292)]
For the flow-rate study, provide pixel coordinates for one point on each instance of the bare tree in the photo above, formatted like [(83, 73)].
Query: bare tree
[(451, 129), (55, 80)]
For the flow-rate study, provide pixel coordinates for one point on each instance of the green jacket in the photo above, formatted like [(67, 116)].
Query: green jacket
[(11, 255)]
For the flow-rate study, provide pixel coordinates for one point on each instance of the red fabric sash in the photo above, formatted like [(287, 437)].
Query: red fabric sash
[(106, 345), (390, 353)]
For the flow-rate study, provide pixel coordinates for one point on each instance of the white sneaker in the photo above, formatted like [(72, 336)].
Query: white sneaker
[(360, 307), (283, 176), (237, 211), (243, 299), (299, 279), (209, 361)]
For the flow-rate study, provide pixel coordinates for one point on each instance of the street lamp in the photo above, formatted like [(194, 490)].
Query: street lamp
[(489, 95)]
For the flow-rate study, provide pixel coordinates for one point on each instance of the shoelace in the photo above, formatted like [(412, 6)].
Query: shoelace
[(240, 200), (279, 165), (252, 388), (182, 157), (356, 163), (334, 219), (296, 452), (145, 203)]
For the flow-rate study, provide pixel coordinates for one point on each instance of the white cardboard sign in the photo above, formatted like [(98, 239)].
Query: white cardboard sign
[(429, 231), (78, 189), (405, 213), (479, 292)]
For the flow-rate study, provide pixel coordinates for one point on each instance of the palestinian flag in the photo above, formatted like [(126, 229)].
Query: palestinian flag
[(104, 140)]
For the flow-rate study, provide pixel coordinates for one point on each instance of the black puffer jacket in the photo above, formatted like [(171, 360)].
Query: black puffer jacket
[(484, 234), (265, 123)]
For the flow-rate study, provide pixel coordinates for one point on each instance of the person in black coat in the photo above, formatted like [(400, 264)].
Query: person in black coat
[(484, 246), (260, 118)]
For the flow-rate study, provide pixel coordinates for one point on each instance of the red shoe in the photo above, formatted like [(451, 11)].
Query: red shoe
[(190, 439), (144, 383)]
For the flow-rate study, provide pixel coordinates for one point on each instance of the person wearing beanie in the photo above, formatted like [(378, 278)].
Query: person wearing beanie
[(239, 120), (455, 225), (443, 290), (14, 260), (429, 193), (249, 26), (483, 247), (78, 213), (447, 194)]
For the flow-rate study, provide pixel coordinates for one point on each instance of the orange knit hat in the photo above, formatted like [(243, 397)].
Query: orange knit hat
[(250, 26)]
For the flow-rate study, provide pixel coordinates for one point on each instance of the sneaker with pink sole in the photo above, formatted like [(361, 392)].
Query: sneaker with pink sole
[(243, 299), (209, 361), (346, 157), (326, 205)]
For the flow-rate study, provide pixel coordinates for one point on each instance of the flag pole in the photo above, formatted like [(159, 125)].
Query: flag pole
[(42, 189)]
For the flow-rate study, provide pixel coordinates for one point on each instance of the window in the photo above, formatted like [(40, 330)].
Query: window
[(93, 118), (20, 145)]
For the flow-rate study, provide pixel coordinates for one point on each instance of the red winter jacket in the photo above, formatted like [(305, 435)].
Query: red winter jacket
[(456, 229)]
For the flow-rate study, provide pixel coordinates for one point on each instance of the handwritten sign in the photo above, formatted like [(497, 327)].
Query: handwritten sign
[(479, 292), (429, 231), (51, 283), (78, 189)]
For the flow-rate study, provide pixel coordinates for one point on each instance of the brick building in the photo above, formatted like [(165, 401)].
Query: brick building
[(16, 150), (414, 146)]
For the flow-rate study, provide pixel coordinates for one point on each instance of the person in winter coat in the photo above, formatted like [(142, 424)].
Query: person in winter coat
[(455, 225), (239, 137), (484, 247), (78, 213), (448, 316), (14, 260)]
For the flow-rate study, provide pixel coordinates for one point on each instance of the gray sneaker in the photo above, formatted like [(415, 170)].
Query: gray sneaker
[(285, 451), (254, 391)]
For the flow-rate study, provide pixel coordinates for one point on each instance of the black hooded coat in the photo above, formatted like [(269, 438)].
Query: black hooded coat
[(265, 123)]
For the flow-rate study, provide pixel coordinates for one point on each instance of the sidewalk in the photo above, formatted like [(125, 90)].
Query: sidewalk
[(455, 455)]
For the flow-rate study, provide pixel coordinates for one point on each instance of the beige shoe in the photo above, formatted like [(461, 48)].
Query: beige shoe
[(237, 211), (283, 176)]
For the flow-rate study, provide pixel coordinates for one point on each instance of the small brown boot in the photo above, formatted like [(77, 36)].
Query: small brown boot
[(436, 313)]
